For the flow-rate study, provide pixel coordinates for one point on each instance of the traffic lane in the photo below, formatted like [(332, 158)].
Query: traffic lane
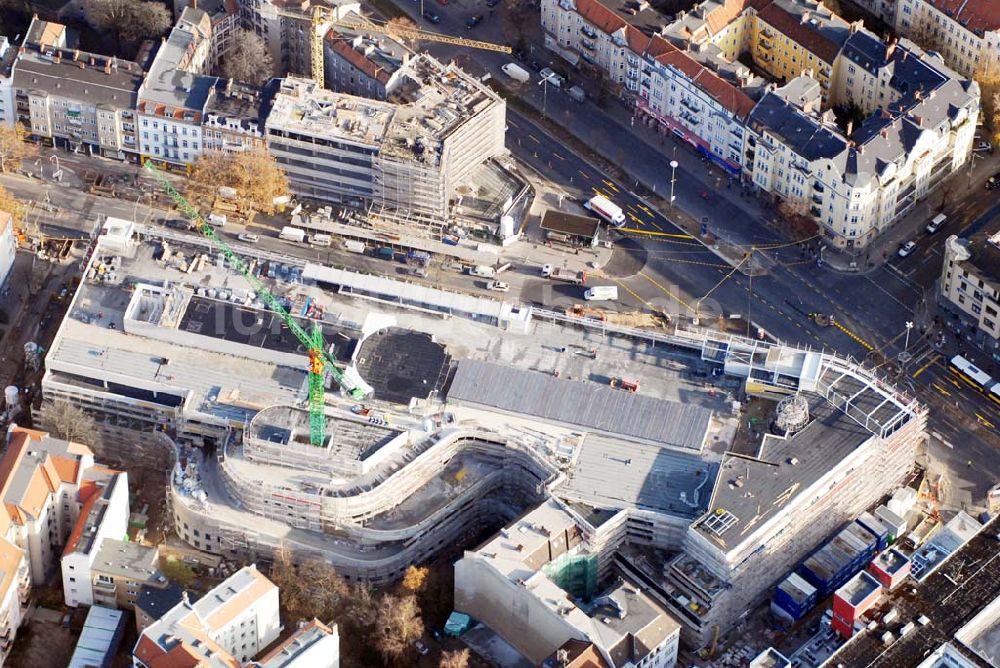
[(528, 142), (968, 402)]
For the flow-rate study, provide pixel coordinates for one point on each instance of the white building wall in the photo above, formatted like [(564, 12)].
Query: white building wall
[(8, 248), (252, 630), (171, 140), (509, 609)]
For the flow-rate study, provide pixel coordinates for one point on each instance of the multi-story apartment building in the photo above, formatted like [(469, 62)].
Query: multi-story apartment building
[(970, 287), (965, 32), (285, 27), (854, 184), (224, 18), (73, 99), (313, 645), (44, 483), (172, 99), (8, 112), (8, 246), (362, 65), (233, 119), (408, 155), (526, 584), (229, 625)]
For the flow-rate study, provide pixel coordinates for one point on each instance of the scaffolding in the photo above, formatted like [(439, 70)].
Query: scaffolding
[(575, 574)]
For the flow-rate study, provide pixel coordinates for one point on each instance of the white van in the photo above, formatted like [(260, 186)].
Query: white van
[(217, 220), (936, 224), (320, 240), (601, 293), (483, 270)]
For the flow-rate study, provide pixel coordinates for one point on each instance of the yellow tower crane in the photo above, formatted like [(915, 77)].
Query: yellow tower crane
[(323, 17)]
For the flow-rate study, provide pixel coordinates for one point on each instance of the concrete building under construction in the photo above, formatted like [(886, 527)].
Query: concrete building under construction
[(475, 416), (408, 153)]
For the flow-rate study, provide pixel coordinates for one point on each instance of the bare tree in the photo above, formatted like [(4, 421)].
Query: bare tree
[(457, 659), (247, 59), (129, 20), (397, 626), (309, 589), (13, 147), (66, 421)]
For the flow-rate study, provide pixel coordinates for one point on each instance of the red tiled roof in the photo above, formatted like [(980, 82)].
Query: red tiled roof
[(725, 93), (724, 15), (343, 47), (800, 33), (978, 16), (600, 16), (81, 523)]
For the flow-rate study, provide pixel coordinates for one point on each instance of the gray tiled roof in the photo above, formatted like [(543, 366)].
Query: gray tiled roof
[(803, 134), (585, 405), (66, 78)]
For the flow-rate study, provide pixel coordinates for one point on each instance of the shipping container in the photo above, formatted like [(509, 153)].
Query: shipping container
[(793, 598), (877, 527), (419, 258)]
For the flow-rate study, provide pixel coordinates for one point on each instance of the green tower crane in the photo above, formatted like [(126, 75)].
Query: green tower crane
[(320, 361)]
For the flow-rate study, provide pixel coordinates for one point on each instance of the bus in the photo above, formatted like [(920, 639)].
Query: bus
[(973, 375)]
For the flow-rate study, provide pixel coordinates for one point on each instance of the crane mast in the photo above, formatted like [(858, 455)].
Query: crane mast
[(320, 362)]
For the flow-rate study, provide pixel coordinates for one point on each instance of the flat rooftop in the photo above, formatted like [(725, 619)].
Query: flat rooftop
[(582, 405), (426, 106), (748, 492), (348, 437), (891, 561), (859, 588), (610, 473), (950, 597), (126, 559)]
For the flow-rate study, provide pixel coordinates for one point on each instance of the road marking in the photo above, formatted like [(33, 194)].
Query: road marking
[(983, 421), (610, 184), (534, 138), (558, 156), (597, 191), (667, 292), (924, 367), (631, 292), (584, 174), (941, 389), (658, 234), (646, 209), (510, 122), (945, 442), (854, 336), (637, 220)]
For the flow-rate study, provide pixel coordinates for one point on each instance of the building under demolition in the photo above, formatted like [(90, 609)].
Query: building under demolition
[(735, 460)]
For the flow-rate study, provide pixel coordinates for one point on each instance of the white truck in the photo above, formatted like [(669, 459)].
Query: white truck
[(292, 234), (601, 293), (516, 72), (606, 209)]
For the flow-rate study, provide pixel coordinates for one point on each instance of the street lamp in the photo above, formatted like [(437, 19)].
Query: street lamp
[(673, 179), (904, 356), (544, 83)]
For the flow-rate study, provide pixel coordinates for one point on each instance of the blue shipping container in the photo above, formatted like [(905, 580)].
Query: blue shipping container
[(795, 596), (877, 527)]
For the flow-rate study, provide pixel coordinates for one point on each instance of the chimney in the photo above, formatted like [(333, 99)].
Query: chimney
[(107, 67), (76, 54), (82, 65), (889, 50), (56, 59), (92, 61), (184, 596), (850, 127), (805, 17), (884, 132), (229, 87)]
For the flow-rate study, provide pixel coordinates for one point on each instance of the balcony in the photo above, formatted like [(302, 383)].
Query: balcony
[(587, 44), (815, 212), (764, 44), (818, 187), (693, 108), (589, 32), (101, 585), (817, 200)]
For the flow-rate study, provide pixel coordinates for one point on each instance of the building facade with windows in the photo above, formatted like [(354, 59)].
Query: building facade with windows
[(229, 625), (965, 32), (173, 97), (970, 287), (73, 99), (363, 65), (8, 246), (854, 182), (8, 112), (409, 154)]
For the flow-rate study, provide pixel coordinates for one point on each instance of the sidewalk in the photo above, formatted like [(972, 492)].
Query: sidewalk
[(955, 190)]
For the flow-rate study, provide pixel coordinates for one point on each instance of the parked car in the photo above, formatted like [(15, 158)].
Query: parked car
[(432, 16), (983, 146), (993, 183), (474, 21), (907, 248), (177, 224), (499, 286), (422, 648), (249, 238), (553, 78), (419, 272), (546, 270)]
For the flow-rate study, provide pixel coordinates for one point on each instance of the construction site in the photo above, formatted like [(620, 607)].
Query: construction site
[(445, 413)]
